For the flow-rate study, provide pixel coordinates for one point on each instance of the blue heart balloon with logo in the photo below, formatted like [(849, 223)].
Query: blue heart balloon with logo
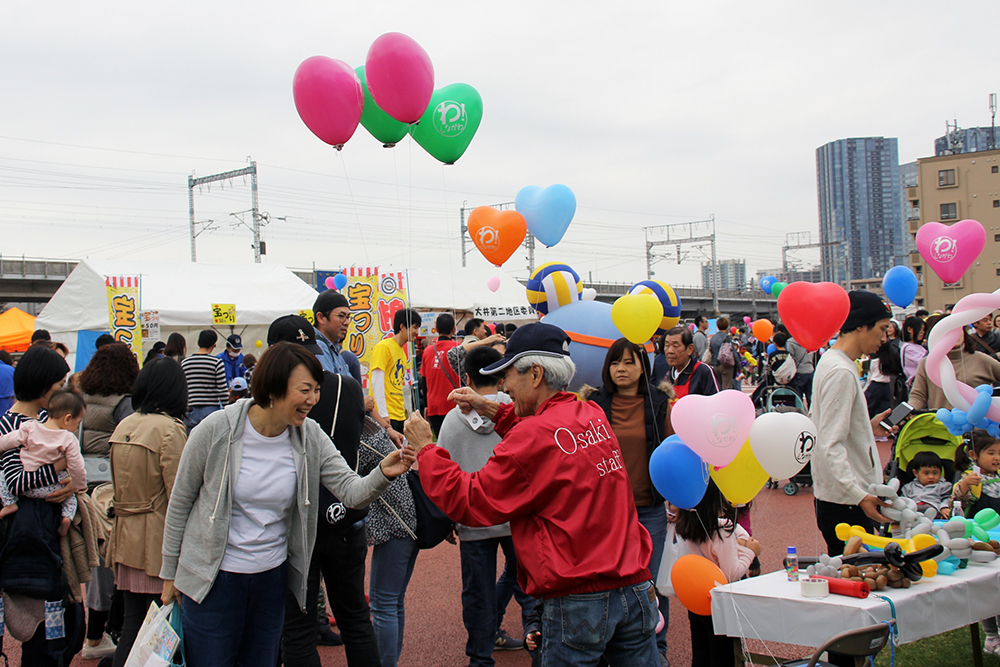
[(547, 212), (767, 282)]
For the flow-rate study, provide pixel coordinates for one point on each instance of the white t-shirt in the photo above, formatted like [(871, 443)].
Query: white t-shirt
[(262, 500)]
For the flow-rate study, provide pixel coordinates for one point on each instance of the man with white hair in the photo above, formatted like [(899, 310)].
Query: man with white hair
[(557, 476)]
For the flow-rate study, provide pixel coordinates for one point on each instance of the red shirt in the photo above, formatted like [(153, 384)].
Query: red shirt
[(437, 371), (559, 478)]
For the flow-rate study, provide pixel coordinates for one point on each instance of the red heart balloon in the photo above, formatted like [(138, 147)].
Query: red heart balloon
[(497, 234), (813, 312)]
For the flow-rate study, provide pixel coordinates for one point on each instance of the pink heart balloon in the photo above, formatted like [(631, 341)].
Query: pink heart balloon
[(329, 98), (493, 282), (951, 250), (400, 76), (714, 427)]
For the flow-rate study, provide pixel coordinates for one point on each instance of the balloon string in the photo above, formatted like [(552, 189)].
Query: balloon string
[(451, 260), (961, 354), (354, 204)]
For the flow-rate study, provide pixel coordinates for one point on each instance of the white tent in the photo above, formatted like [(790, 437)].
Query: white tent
[(461, 289), (182, 294)]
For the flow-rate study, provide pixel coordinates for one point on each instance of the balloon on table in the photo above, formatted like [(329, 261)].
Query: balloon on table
[(450, 122), (400, 76), (714, 427), (950, 250), (548, 212), (552, 285), (637, 316), (493, 283), (669, 301), (762, 330), (339, 281), (742, 479), (678, 473), (329, 99), (783, 442), (813, 312), (497, 234), (900, 285), (379, 124), (693, 578)]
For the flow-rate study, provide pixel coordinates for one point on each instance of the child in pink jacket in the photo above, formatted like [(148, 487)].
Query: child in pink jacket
[(46, 442)]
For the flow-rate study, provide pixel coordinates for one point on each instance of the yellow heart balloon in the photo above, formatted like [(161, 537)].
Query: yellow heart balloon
[(742, 479), (637, 316)]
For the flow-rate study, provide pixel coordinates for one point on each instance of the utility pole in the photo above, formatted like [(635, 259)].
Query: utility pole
[(680, 233), (258, 245)]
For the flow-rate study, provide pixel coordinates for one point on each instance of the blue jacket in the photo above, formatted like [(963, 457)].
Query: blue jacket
[(233, 365)]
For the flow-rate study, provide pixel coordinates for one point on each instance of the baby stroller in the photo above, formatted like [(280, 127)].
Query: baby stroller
[(922, 432), (778, 398)]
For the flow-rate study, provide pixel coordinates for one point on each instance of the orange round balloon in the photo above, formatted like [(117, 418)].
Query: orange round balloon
[(762, 330), (693, 578), (497, 234)]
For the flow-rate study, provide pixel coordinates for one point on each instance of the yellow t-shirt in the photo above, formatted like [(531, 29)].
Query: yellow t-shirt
[(390, 358)]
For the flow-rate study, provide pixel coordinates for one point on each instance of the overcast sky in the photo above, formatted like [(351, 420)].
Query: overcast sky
[(652, 112)]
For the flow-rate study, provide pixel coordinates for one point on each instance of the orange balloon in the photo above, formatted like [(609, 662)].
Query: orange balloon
[(693, 578), (762, 330), (497, 234)]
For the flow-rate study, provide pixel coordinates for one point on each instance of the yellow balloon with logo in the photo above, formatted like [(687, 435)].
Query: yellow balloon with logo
[(742, 479), (637, 316)]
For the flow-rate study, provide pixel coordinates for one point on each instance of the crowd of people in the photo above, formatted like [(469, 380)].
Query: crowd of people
[(239, 488)]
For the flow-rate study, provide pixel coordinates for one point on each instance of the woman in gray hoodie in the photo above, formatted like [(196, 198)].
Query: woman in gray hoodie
[(241, 522)]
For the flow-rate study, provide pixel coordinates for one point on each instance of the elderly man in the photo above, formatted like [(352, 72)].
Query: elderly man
[(557, 476), (683, 368)]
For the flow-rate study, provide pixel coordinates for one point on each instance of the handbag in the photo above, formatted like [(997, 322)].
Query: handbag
[(433, 525), (671, 550), (158, 641), (726, 357)]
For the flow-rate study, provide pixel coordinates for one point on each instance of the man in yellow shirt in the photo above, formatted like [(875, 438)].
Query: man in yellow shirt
[(388, 367)]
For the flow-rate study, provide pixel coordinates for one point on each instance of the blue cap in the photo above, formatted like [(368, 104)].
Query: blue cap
[(536, 338)]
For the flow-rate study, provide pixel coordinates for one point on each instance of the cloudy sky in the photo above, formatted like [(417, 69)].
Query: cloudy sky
[(652, 112)]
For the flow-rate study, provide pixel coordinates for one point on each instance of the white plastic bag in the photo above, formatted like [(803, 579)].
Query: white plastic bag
[(671, 552), (156, 642)]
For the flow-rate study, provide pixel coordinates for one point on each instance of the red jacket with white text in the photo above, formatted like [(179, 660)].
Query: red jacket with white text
[(558, 477)]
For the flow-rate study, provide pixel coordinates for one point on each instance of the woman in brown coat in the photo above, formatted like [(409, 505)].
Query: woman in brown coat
[(145, 450)]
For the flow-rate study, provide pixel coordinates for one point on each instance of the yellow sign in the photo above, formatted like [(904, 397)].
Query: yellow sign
[(373, 299), (308, 314), (123, 311), (224, 313)]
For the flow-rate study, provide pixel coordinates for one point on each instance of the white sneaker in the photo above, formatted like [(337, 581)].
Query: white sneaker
[(105, 649)]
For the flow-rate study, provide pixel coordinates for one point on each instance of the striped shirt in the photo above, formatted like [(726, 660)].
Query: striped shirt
[(17, 480), (206, 380)]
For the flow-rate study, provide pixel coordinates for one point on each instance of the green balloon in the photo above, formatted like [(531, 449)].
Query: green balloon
[(451, 120), (776, 289), (379, 124)]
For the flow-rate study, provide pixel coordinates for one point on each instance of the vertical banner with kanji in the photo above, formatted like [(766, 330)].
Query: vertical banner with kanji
[(123, 311), (373, 298)]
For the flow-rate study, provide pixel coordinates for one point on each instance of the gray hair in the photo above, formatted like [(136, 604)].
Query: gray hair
[(557, 373)]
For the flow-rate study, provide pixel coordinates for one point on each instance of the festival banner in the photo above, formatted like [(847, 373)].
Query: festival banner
[(373, 299), (123, 311), (224, 314), (496, 313)]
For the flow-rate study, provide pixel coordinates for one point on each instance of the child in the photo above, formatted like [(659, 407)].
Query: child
[(978, 489), (710, 530), (238, 389), (927, 487), (42, 443)]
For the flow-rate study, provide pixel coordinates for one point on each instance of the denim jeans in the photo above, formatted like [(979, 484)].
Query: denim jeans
[(392, 566), (194, 416), (578, 629), (238, 622), (654, 519), (340, 557), (507, 588)]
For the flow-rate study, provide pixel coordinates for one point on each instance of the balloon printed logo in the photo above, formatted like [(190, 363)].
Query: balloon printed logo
[(804, 447), (450, 118), (721, 431), (944, 249), (489, 239)]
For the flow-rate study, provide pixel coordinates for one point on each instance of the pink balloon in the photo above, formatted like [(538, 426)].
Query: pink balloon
[(400, 76), (660, 622), (330, 283), (951, 250), (493, 282), (329, 98), (691, 327), (747, 319), (714, 427)]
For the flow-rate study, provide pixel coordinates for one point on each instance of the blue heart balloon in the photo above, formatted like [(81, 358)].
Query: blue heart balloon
[(767, 282), (548, 212), (900, 285), (678, 473)]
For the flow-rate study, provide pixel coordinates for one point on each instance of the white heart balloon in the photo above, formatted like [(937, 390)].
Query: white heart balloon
[(783, 442)]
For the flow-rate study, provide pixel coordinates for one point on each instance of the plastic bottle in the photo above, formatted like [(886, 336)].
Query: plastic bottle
[(792, 564)]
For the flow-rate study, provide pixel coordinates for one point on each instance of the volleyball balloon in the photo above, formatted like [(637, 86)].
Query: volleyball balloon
[(666, 296), (553, 285)]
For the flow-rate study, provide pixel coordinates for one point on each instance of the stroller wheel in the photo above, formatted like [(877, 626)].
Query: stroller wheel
[(791, 489), (770, 484)]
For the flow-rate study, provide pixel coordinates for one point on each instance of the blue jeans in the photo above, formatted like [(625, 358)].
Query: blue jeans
[(392, 566), (194, 416), (654, 519), (238, 622), (619, 624), (507, 588)]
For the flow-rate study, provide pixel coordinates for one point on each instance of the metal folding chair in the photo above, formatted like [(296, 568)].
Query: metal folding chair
[(862, 644)]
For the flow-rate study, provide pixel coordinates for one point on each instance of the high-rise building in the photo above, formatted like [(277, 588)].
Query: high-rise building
[(732, 274), (968, 140), (860, 208)]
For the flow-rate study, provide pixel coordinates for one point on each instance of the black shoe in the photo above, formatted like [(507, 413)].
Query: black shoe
[(328, 637), (505, 642)]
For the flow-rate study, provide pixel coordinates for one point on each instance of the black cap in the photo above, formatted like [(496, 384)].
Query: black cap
[(328, 300), (104, 339), (535, 338), (159, 346), (293, 329), (235, 342)]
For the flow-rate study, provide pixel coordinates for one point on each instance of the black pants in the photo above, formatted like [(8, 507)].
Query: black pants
[(828, 515), (39, 652), (136, 605), (340, 558), (397, 425), (707, 648), (435, 421)]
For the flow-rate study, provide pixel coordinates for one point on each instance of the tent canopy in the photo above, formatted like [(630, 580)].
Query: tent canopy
[(16, 327), (462, 289)]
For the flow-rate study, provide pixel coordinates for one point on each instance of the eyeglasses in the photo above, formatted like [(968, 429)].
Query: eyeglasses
[(343, 317)]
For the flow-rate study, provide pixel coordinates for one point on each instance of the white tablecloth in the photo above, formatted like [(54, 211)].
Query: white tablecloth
[(771, 608)]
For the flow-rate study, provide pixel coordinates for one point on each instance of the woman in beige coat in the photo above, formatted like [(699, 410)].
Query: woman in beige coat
[(145, 450)]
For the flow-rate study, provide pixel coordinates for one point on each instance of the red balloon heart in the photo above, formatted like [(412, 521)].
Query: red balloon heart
[(813, 312)]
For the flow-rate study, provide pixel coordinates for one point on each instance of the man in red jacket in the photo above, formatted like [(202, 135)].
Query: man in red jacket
[(441, 377), (558, 478)]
